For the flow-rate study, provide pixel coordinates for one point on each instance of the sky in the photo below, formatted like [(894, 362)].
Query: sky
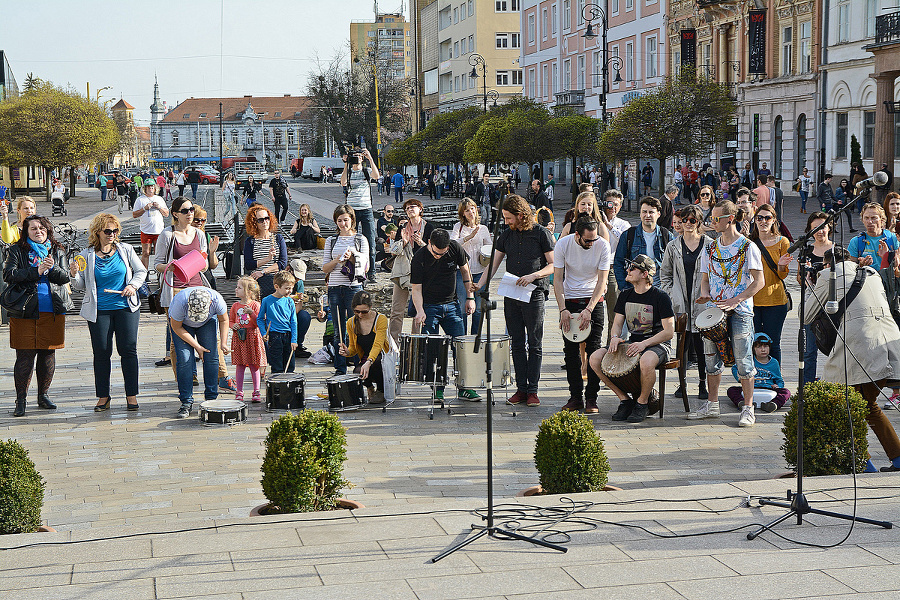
[(269, 47)]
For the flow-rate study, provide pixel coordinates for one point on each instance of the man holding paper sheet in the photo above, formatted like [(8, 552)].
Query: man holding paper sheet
[(528, 249)]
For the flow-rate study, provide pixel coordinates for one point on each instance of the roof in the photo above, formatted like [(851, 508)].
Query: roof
[(269, 108), (143, 133), (122, 104)]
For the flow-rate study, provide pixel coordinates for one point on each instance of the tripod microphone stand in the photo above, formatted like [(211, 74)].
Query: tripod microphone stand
[(479, 531), (796, 503)]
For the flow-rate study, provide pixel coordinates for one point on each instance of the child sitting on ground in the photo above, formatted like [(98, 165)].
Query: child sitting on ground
[(277, 322), (769, 391)]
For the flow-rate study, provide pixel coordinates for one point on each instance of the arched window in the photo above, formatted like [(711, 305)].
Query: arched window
[(290, 137), (266, 137), (801, 145), (250, 137), (175, 138), (779, 147), (234, 136)]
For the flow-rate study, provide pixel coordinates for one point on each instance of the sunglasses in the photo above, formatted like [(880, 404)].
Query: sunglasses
[(717, 219), (588, 242), (704, 195), (186, 211), (262, 220), (763, 217), (690, 220), (361, 312), (199, 220), (110, 232)]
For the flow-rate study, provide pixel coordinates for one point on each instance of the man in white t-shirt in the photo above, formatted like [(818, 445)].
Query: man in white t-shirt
[(152, 210), (357, 179), (731, 273), (611, 205), (580, 272)]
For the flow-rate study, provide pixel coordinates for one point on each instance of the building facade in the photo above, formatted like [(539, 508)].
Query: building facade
[(451, 34), (136, 148), (388, 39)]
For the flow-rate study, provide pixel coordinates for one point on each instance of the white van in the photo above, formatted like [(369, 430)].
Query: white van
[(312, 167)]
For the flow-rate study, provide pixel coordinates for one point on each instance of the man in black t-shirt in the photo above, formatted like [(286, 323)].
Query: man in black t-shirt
[(651, 324), (280, 195), (528, 249), (433, 278), (194, 179)]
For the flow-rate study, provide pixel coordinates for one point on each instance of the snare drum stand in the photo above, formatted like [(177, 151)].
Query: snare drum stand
[(479, 531)]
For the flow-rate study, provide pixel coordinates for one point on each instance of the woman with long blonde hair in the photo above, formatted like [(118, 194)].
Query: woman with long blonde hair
[(471, 235)]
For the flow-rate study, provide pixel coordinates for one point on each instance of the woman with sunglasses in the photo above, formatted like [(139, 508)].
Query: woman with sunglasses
[(680, 280), (265, 252), (814, 259), (251, 188), (111, 305), (770, 304), (368, 341)]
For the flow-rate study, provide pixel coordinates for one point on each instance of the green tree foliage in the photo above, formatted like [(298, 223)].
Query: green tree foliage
[(21, 490), (575, 136), (54, 127), (569, 455), (518, 131), (683, 116)]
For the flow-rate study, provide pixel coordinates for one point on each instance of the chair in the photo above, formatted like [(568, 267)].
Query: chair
[(676, 363)]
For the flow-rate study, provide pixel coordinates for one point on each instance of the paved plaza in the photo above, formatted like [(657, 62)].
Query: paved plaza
[(149, 506)]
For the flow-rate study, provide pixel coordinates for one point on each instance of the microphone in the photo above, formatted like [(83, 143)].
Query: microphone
[(831, 307), (879, 179)]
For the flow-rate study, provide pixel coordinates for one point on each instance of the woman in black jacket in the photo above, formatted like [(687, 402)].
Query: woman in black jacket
[(36, 265)]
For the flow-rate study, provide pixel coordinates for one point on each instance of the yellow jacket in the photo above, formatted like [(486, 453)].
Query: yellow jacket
[(381, 342), (9, 233)]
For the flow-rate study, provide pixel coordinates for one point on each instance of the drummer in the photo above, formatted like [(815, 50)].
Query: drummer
[(580, 271), (368, 341), (651, 326), (433, 276)]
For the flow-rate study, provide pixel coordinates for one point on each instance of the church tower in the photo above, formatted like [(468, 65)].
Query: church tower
[(157, 112)]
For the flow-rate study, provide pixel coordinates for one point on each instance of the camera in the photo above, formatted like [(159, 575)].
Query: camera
[(607, 204)]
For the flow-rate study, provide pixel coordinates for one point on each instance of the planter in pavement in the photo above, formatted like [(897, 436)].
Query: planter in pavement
[(268, 509), (537, 490)]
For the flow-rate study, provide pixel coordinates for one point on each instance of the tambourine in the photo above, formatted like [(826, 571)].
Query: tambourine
[(82, 264), (574, 334)]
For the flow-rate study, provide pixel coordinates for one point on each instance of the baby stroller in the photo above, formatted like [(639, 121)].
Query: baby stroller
[(59, 204)]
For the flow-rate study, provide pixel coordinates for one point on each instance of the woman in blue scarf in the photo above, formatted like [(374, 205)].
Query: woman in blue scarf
[(35, 267)]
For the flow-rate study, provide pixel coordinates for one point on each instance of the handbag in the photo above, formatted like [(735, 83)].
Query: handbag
[(144, 290), (824, 326), (19, 300), (402, 264), (774, 268)]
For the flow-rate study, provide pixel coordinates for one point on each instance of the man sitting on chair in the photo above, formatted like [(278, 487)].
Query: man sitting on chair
[(651, 324)]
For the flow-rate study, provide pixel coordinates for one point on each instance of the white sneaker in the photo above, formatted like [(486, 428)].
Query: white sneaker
[(707, 410), (747, 417)]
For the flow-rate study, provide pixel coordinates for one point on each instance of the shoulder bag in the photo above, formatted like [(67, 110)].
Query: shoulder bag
[(824, 326), (774, 268)]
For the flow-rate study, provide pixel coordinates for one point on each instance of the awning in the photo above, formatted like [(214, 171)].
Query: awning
[(202, 159), (166, 160)]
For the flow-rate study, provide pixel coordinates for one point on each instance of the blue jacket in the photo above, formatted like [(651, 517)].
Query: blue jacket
[(639, 246)]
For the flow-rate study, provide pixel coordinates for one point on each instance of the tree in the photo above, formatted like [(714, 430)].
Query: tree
[(575, 136), (855, 150), (684, 115), (514, 132), (54, 128), (31, 82)]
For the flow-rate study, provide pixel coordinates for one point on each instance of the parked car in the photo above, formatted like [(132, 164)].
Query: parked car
[(111, 177), (207, 173)]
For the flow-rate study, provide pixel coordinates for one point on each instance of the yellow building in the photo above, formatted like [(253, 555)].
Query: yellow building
[(135, 149), (388, 38)]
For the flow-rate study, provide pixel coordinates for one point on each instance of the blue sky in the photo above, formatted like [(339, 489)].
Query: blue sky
[(269, 46)]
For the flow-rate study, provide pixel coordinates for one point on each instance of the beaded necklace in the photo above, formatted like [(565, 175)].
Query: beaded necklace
[(730, 268)]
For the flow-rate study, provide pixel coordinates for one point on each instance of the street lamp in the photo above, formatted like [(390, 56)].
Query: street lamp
[(591, 12), (476, 59), (100, 90), (493, 95)]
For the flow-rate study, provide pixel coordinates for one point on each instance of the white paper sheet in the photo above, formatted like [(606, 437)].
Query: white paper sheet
[(509, 289)]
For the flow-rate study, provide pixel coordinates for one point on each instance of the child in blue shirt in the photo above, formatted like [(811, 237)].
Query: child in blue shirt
[(769, 392), (277, 321)]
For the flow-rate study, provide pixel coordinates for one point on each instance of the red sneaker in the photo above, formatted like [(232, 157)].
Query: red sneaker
[(517, 398), (533, 400)]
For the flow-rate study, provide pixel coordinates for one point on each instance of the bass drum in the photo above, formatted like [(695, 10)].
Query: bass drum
[(345, 392), (470, 366)]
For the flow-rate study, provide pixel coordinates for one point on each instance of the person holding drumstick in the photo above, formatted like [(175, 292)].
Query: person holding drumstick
[(731, 272), (580, 271), (651, 326)]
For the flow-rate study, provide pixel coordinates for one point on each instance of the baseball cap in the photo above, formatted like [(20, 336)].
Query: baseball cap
[(198, 303), (642, 262), (762, 338)]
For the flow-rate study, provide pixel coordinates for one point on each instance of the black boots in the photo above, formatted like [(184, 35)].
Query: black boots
[(20, 408), (44, 402)]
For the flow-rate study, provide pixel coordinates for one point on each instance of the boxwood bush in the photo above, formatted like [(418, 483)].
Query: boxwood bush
[(827, 449), (304, 460), (569, 455), (21, 490)]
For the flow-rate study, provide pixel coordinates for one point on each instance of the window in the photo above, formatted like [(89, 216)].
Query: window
[(464, 82), (566, 84), (787, 50), (456, 49), (801, 145), (203, 115), (515, 40), (174, 138), (843, 21), (840, 137), (515, 77), (870, 17), (614, 7), (579, 9), (580, 72), (629, 5), (554, 77), (531, 83), (629, 62), (234, 136), (186, 116), (779, 147), (290, 137), (805, 65), (266, 136), (567, 14), (471, 43), (277, 137), (502, 40), (462, 45), (868, 149), (515, 5), (596, 70), (553, 20), (456, 15), (676, 63), (471, 6), (501, 6), (502, 77), (250, 137), (531, 29), (651, 57), (544, 27), (456, 83), (462, 11), (545, 83)]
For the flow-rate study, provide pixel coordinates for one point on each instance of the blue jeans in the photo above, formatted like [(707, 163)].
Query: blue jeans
[(810, 356), (303, 321), (741, 342), (461, 294), (770, 320), (398, 195), (365, 220), (103, 194), (279, 351), (194, 190), (804, 196), (339, 298), (124, 324), (206, 335), (525, 322), (438, 190), (445, 316)]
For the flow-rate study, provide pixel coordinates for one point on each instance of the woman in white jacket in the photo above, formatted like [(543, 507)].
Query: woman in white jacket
[(679, 276), (112, 276)]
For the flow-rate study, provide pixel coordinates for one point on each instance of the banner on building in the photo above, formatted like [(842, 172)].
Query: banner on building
[(757, 42), (689, 47)]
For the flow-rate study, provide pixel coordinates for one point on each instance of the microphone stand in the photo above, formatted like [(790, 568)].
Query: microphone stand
[(796, 503), (479, 531)]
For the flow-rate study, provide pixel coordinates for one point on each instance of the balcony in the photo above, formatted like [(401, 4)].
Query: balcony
[(570, 98), (252, 147), (887, 28)]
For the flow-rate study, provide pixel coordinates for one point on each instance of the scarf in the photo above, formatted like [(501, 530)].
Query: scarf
[(42, 250)]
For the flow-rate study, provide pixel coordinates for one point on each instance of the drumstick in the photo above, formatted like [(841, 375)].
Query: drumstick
[(290, 358), (120, 292)]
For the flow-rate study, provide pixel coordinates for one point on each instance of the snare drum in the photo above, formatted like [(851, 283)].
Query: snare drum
[(625, 373), (713, 324), (345, 392), (419, 353), (222, 412), (470, 366), (285, 391)]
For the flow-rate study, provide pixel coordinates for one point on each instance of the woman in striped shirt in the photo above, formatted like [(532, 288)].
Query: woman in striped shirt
[(265, 252)]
